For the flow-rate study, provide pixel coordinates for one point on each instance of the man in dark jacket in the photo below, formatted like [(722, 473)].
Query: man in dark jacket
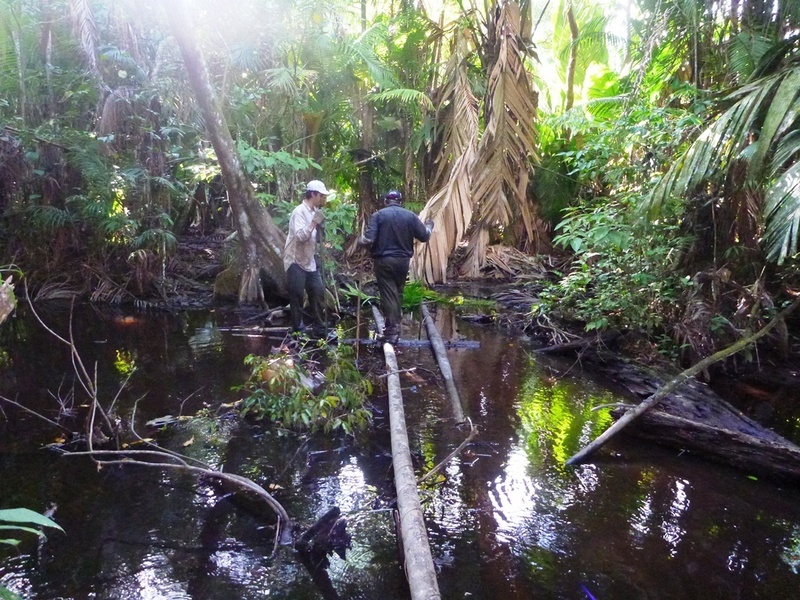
[(391, 234)]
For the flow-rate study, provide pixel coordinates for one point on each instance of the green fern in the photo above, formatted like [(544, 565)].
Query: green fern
[(49, 218), (157, 240)]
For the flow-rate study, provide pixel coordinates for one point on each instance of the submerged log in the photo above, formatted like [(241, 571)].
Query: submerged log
[(694, 418), (325, 537), (418, 560), (438, 346)]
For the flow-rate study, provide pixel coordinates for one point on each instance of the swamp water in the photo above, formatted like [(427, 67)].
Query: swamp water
[(506, 520)]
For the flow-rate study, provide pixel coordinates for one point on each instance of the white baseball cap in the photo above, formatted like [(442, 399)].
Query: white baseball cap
[(317, 186)]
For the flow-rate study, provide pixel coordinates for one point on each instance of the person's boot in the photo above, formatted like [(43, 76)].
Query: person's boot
[(391, 335)]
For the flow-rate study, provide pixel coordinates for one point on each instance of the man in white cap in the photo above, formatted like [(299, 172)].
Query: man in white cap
[(299, 260)]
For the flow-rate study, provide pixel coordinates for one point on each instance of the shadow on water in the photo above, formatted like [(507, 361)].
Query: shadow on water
[(506, 519)]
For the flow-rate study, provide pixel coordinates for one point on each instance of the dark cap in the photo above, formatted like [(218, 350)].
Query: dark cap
[(393, 196)]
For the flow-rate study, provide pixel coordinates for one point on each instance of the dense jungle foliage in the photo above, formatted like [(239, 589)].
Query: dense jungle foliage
[(648, 153)]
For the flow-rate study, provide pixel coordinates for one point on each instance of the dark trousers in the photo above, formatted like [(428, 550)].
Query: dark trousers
[(301, 282), (391, 274)]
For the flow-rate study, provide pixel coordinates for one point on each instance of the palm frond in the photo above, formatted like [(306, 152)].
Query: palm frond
[(773, 58), (288, 80), (362, 51), (156, 240), (786, 152), (717, 147), (450, 208), (783, 216), (780, 116), (745, 51), (507, 144), (86, 30), (89, 161), (49, 218), (605, 108), (248, 56), (404, 96)]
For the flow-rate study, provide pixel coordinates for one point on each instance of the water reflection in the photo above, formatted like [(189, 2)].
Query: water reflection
[(506, 519)]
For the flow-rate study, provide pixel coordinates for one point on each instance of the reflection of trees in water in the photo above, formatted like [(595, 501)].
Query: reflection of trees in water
[(557, 415)]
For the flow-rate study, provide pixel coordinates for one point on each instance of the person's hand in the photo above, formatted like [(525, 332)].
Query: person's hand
[(429, 224), (318, 218)]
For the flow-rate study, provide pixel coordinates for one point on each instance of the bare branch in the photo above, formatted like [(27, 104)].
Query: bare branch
[(472, 433), (36, 414)]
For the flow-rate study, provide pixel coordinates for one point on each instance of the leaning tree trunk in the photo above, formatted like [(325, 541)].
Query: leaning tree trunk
[(262, 241)]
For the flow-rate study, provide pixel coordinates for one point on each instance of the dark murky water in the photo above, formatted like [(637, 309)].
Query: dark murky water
[(506, 521)]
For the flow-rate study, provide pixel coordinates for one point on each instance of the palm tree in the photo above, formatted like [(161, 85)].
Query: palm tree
[(753, 148)]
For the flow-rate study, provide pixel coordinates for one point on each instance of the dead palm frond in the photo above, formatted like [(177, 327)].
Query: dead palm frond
[(86, 31), (508, 143), (451, 207)]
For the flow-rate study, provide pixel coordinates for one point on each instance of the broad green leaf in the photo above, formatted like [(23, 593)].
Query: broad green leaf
[(21, 528), (25, 515), (782, 212), (779, 106)]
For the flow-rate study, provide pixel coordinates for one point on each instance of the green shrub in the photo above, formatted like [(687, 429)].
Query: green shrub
[(624, 273), (281, 389)]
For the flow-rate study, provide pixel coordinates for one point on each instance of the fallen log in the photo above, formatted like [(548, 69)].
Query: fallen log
[(696, 419), (418, 561), (756, 453), (676, 382), (444, 365)]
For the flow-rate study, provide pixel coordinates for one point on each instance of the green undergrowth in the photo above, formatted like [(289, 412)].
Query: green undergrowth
[(416, 292), (289, 391)]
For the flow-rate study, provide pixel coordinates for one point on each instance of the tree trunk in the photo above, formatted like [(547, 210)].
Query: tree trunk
[(418, 563), (573, 56), (444, 365), (684, 380), (262, 241)]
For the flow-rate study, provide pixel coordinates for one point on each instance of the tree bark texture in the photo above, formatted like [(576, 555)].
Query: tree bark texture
[(262, 241), (755, 454), (419, 567)]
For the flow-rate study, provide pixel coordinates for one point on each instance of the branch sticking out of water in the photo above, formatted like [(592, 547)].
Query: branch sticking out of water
[(676, 382), (472, 433), (154, 456)]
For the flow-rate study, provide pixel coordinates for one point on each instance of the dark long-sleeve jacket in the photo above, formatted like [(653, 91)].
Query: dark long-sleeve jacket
[(392, 231)]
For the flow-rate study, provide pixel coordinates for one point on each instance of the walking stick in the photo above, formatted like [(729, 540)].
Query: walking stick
[(358, 315), (321, 267)]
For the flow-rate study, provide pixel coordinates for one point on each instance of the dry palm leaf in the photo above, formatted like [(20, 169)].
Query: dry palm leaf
[(83, 22), (501, 171), (506, 261), (450, 208)]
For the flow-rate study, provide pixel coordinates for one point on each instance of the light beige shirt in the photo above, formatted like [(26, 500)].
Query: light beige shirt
[(301, 243)]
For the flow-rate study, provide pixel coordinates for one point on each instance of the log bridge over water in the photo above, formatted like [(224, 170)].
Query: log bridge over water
[(417, 558)]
